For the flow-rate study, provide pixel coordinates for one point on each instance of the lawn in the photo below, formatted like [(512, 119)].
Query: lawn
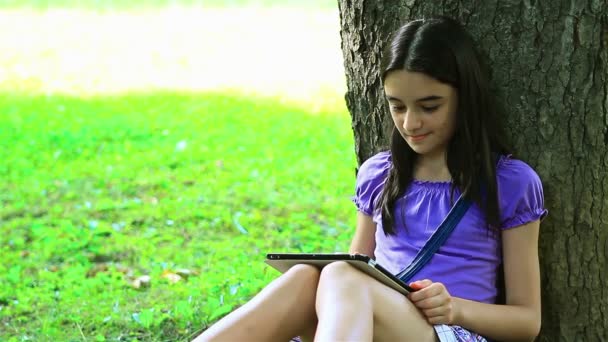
[(142, 184), (190, 189)]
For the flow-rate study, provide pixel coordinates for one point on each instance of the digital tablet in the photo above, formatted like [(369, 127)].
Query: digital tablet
[(284, 261)]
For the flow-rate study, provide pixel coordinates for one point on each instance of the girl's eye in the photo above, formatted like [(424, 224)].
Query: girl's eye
[(429, 109), (397, 108)]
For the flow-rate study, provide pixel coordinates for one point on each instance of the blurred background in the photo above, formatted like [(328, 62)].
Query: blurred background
[(154, 151)]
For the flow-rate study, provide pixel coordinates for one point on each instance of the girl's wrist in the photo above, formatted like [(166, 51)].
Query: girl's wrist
[(459, 314)]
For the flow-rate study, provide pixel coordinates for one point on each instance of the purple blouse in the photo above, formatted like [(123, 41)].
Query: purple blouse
[(468, 262)]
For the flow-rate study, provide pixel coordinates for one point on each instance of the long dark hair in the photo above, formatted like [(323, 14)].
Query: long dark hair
[(442, 49)]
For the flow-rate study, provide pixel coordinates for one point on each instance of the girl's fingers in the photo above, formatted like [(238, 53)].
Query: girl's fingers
[(436, 289), (433, 300), (423, 293), (420, 284), (430, 303), (418, 296), (428, 292), (430, 296), (435, 312), (416, 286)]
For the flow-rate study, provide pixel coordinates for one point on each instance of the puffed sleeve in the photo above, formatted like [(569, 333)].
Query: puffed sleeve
[(520, 193), (370, 180)]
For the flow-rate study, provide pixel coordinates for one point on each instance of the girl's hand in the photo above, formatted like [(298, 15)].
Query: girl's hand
[(435, 302)]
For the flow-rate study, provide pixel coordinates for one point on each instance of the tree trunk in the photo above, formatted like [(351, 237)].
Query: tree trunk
[(550, 69)]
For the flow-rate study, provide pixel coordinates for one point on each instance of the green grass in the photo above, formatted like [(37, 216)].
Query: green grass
[(96, 192), (146, 4)]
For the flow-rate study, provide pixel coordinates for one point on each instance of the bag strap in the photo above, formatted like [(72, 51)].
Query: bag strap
[(436, 240)]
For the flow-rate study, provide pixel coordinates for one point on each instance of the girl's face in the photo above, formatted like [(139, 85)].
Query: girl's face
[(423, 109)]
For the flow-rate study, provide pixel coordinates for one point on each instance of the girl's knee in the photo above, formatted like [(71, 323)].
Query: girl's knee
[(342, 274), (304, 273)]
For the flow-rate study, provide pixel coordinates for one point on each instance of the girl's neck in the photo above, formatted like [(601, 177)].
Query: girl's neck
[(432, 168)]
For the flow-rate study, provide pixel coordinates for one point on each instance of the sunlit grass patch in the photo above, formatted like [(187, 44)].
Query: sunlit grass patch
[(96, 192), (107, 176)]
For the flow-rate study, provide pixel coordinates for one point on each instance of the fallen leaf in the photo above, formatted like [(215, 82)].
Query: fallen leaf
[(185, 273), (171, 277), (141, 282), (96, 269), (100, 258), (124, 270)]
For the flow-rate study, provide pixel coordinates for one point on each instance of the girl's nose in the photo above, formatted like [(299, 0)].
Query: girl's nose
[(411, 122)]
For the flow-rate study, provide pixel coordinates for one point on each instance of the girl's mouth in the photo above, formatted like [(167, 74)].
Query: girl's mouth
[(417, 138)]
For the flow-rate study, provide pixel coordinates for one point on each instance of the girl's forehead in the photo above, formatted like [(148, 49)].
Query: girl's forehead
[(408, 85)]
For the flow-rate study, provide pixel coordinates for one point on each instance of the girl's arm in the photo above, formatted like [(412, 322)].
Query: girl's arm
[(364, 241), (520, 318)]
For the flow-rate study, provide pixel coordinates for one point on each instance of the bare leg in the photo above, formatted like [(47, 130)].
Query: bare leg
[(282, 310), (343, 307), (352, 306)]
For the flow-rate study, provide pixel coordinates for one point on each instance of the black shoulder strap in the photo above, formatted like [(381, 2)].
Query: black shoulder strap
[(439, 236), (436, 240)]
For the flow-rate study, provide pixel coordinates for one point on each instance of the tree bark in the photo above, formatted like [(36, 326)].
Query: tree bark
[(550, 70)]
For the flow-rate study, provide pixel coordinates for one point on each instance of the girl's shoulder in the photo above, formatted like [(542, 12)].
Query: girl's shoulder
[(371, 177), (513, 172), (520, 192), (376, 166)]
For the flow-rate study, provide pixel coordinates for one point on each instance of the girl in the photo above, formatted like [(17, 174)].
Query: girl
[(444, 143)]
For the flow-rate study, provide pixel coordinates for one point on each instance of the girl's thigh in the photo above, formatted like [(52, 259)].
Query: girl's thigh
[(395, 317)]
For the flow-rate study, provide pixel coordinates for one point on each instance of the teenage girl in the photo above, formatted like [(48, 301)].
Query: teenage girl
[(445, 142)]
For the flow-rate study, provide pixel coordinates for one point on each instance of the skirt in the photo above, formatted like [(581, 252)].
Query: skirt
[(446, 333), (455, 333)]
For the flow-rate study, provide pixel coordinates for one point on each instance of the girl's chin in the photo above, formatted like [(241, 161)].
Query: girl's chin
[(423, 151)]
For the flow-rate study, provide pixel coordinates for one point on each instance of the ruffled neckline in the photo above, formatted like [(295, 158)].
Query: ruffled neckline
[(428, 184), (443, 185)]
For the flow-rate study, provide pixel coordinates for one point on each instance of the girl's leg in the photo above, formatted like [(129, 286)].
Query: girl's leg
[(283, 309), (352, 306)]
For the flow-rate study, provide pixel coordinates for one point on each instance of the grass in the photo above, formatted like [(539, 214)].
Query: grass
[(119, 180), (98, 191)]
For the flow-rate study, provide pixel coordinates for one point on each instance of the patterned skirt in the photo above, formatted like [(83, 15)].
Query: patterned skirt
[(446, 333), (455, 333)]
